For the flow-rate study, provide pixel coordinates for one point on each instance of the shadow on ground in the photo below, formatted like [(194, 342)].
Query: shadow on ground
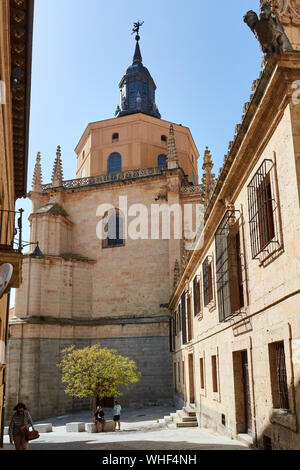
[(128, 446)]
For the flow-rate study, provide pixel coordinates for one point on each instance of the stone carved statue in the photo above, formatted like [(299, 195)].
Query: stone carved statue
[(268, 31)]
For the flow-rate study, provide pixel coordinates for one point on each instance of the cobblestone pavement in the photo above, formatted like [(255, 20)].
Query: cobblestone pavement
[(140, 430)]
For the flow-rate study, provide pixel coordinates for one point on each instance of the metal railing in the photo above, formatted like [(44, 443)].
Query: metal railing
[(11, 230)]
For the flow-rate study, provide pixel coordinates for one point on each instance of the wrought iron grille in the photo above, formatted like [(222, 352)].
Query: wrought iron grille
[(281, 376), (263, 209), (229, 274), (11, 230)]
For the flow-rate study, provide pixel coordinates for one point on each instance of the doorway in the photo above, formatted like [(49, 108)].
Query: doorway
[(242, 391)]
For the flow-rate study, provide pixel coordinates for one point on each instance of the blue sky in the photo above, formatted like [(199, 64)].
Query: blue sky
[(201, 55)]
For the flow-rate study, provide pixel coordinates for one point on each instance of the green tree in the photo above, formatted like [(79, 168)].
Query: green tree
[(95, 371)]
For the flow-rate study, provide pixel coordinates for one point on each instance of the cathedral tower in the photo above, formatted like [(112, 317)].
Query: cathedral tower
[(115, 291)]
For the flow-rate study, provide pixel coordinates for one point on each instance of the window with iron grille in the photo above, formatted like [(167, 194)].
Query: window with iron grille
[(189, 318), (278, 376), (263, 212), (207, 282), (197, 295), (171, 337), (183, 318), (229, 274)]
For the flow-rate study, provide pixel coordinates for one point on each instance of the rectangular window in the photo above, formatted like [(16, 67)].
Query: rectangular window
[(263, 211), (207, 282), (175, 378), (202, 381), (171, 335), (183, 318), (189, 318), (278, 376), (197, 295), (229, 274), (214, 370)]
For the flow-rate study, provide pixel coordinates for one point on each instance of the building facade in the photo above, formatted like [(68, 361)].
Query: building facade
[(115, 291), (235, 310), (16, 19)]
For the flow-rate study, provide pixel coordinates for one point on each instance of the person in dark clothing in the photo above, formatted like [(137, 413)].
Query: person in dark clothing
[(20, 423), (99, 418)]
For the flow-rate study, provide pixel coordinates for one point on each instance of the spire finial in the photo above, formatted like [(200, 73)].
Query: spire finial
[(136, 29), (57, 174), (137, 58), (208, 179), (172, 150), (37, 174)]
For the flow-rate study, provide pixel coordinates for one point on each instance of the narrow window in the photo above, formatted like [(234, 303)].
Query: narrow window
[(278, 376), (189, 318), (115, 231), (162, 160), (183, 318), (164, 138), (207, 282), (115, 136), (197, 295), (202, 382), (214, 373), (114, 163)]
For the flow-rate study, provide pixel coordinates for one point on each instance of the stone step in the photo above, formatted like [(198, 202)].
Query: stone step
[(189, 411), (187, 424), (187, 419), (245, 439)]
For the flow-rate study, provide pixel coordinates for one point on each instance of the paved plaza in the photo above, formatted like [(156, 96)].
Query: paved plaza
[(140, 430)]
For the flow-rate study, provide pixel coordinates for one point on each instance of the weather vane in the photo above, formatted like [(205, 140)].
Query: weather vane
[(136, 29)]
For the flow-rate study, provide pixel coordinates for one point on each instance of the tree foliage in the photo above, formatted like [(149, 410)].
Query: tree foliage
[(93, 371)]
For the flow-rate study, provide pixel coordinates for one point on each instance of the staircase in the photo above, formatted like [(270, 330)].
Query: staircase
[(185, 418)]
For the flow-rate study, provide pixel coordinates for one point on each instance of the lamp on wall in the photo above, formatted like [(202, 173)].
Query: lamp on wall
[(37, 253)]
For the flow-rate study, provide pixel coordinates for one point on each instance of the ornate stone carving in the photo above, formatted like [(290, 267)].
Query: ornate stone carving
[(268, 31), (288, 11), (104, 179)]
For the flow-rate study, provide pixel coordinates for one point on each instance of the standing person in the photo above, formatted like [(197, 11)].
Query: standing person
[(117, 415), (19, 425), (99, 418)]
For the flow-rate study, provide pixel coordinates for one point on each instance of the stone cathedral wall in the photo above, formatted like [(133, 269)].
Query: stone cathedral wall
[(34, 378)]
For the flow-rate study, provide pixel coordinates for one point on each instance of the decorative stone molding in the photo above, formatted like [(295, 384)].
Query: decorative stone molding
[(288, 11), (103, 179)]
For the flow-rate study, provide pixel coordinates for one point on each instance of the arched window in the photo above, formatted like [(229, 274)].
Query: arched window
[(114, 163), (162, 160), (164, 138), (115, 136), (115, 231)]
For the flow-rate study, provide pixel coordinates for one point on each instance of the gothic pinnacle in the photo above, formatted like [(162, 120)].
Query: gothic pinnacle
[(57, 174), (172, 151), (37, 174)]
